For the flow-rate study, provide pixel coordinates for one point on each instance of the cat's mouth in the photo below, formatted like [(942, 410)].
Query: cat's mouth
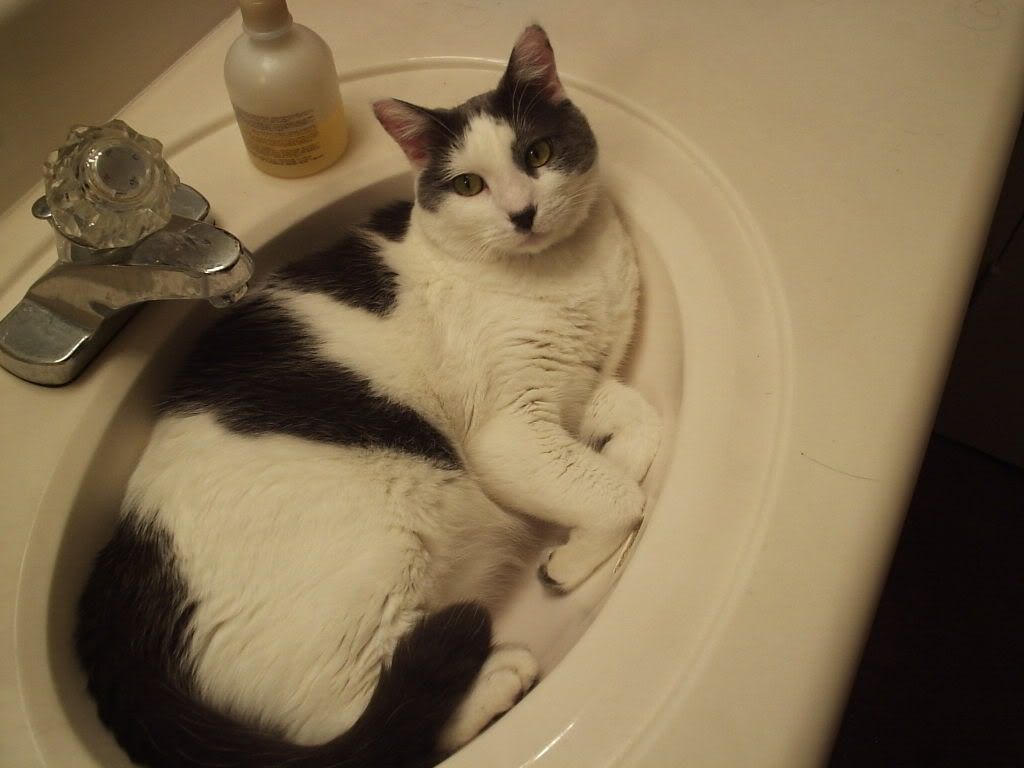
[(534, 242)]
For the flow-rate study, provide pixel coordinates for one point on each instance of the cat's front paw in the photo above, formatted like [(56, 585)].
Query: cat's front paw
[(572, 563)]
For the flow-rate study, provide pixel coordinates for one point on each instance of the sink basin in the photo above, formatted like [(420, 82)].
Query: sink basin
[(710, 355)]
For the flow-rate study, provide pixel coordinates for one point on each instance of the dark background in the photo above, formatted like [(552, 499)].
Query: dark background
[(941, 680)]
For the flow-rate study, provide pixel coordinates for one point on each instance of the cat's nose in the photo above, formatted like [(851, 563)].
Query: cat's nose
[(524, 219)]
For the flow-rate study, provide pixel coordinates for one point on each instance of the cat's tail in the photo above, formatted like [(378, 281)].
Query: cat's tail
[(159, 721)]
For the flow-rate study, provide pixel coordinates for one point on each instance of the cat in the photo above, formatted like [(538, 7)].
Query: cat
[(345, 472)]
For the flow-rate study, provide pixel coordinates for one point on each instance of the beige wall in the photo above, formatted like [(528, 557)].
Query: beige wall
[(80, 61)]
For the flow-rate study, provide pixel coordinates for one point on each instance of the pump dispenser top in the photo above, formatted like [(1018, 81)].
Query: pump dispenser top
[(264, 16), (283, 86)]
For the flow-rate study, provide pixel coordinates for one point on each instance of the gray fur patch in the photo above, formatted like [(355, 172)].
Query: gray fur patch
[(531, 116)]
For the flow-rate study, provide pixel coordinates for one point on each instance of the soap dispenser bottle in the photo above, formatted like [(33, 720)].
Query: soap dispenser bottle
[(283, 86)]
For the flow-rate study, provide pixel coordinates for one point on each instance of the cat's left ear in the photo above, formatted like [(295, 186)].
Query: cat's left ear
[(533, 62), (412, 127)]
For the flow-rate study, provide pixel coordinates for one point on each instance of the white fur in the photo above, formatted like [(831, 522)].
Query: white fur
[(309, 560)]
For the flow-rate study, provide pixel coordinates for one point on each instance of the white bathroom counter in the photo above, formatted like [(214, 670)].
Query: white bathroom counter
[(866, 140)]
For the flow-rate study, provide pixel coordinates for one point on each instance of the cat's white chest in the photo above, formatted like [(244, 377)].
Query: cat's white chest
[(537, 335)]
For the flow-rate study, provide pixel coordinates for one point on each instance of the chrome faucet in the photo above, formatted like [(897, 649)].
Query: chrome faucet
[(127, 232)]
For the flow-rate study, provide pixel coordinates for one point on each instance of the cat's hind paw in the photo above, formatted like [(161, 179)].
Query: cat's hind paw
[(624, 427), (634, 453), (509, 672)]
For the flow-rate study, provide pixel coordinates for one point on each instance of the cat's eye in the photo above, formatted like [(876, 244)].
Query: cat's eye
[(468, 184), (538, 154)]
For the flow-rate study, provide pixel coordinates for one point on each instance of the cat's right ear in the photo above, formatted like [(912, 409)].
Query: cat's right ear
[(533, 62), (410, 126)]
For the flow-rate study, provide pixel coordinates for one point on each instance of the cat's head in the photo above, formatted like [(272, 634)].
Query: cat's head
[(509, 172)]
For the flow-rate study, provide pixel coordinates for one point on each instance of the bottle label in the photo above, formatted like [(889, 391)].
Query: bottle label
[(283, 140)]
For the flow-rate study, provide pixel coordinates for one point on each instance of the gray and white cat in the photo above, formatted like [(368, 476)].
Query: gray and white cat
[(345, 472)]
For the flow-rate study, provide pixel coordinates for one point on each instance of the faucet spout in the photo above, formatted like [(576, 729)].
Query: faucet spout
[(185, 260), (72, 311)]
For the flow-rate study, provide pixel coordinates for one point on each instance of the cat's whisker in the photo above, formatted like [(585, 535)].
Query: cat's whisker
[(533, 101), (517, 96)]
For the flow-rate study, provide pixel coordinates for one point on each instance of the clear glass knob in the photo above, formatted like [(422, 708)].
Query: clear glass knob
[(108, 186)]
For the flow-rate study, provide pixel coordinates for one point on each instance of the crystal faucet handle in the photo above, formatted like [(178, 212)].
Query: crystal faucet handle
[(108, 186)]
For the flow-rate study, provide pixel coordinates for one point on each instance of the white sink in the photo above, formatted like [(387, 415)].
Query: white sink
[(728, 635)]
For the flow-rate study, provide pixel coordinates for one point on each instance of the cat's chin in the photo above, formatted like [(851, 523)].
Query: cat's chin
[(533, 243), (530, 244)]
